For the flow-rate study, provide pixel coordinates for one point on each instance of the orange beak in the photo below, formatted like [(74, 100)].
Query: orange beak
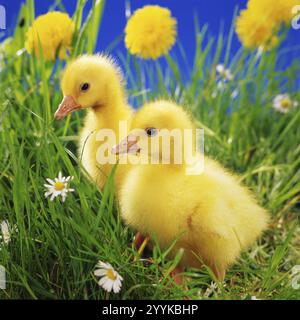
[(127, 145), (67, 106)]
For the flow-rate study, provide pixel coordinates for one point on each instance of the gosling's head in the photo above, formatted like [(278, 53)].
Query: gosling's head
[(158, 131), (90, 81)]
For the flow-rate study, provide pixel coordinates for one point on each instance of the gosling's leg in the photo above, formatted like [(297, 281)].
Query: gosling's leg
[(176, 274), (140, 242), (178, 278), (219, 271)]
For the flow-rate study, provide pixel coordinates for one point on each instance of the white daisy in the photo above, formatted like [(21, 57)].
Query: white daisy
[(5, 233), (235, 93), (224, 73), (110, 279), (254, 298), (20, 52), (221, 85), (283, 103), (260, 52), (296, 270), (6, 229), (58, 187)]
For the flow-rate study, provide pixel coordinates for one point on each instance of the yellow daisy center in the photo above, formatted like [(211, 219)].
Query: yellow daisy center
[(285, 103), (58, 186), (110, 274)]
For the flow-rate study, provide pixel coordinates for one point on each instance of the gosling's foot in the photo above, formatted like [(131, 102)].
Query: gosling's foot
[(140, 242), (177, 276)]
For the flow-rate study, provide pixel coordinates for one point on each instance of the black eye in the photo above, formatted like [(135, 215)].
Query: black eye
[(85, 87), (151, 132)]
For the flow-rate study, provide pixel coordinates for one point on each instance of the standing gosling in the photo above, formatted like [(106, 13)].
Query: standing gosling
[(95, 82), (211, 214)]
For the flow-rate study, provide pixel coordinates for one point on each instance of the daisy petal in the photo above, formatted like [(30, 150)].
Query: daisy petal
[(50, 181), (100, 272)]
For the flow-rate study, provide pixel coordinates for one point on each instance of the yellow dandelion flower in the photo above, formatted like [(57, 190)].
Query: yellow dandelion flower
[(52, 31), (279, 11), (254, 32), (259, 24), (150, 32)]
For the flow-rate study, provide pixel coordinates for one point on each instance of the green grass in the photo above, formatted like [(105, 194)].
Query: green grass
[(57, 245)]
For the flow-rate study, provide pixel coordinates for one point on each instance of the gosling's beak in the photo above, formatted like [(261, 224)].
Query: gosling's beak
[(127, 145), (67, 106)]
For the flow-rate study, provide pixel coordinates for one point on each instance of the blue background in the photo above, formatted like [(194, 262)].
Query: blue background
[(216, 13)]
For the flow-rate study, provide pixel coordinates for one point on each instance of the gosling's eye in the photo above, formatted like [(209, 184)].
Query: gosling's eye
[(85, 87), (151, 132)]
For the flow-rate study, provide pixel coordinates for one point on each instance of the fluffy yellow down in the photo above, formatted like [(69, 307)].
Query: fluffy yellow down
[(106, 104), (150, 32), (52, 31), (213, 216)]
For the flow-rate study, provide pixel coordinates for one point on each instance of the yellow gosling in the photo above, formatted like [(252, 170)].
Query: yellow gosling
[(95, 82), (213, 216)]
